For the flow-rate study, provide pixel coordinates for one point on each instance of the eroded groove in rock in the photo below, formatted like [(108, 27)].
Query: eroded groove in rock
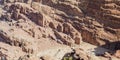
[(49, 29)]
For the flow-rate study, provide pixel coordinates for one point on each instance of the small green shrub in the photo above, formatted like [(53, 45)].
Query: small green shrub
[(67, 58)]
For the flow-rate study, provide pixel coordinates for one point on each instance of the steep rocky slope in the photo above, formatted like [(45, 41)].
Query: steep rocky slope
[(49, 29), (105, 12)]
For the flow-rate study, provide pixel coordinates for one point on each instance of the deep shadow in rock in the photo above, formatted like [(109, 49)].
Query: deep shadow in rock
[(110, 47)]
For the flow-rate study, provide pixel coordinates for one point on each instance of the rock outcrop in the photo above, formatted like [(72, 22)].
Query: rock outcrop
[(35, 28)]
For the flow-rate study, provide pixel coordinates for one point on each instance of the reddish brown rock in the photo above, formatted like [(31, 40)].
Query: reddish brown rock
[(117, 54), (36, 27)]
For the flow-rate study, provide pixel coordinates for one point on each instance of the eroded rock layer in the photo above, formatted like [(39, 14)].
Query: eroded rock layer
[(48, 29)]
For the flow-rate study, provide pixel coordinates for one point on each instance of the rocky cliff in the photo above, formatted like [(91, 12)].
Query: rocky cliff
[(48, 29)]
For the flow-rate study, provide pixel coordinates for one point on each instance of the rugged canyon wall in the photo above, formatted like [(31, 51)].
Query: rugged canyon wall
[(105, 12), (30, 26)]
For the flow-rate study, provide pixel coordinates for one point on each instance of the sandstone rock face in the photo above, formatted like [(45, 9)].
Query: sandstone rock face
[(117, 54), (108, 10), (106, 24), (35, 28)]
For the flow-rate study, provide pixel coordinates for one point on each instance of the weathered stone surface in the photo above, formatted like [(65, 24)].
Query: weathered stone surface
[(117, 53), (36, 26)]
